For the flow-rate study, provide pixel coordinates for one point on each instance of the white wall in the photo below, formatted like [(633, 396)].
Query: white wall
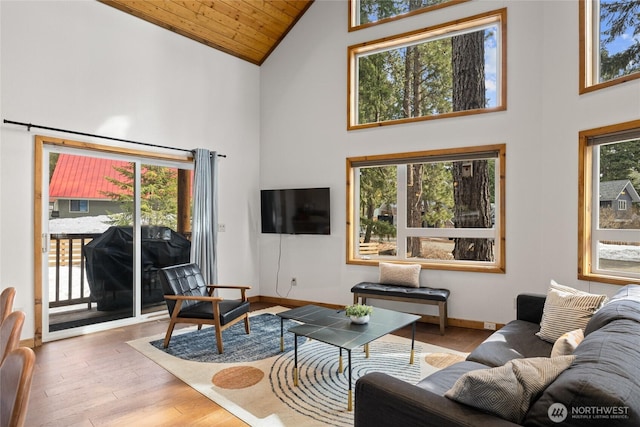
[(304, 142), (85, 66)]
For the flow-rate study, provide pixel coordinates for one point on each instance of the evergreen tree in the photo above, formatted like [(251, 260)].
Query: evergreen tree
[(617, 17), (471, 179), (158, 195)]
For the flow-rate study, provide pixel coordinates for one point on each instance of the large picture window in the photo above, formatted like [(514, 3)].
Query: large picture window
[(449, 70), (443, 209), (609, 43), (609, 222)]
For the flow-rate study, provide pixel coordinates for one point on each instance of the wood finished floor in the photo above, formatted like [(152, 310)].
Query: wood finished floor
[(99, 380)]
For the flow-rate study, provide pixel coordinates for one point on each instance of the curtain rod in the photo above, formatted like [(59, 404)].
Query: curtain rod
[(29, 126)]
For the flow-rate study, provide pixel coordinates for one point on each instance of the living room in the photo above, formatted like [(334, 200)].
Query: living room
[(89, 67)]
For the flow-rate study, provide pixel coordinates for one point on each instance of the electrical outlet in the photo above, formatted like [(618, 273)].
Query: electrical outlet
[(222, 228), (490, 325), (294, 281)]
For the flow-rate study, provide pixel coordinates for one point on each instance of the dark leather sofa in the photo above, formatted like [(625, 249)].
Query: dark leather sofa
[(601, 387)]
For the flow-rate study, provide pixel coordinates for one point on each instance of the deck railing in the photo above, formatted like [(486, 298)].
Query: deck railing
[(67, 269)]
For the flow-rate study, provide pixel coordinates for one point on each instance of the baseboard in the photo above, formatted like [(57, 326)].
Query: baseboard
[(460, 323)]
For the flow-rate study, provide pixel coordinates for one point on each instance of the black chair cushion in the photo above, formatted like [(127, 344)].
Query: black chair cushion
[(229, 310), (371, 288), (183, 279)]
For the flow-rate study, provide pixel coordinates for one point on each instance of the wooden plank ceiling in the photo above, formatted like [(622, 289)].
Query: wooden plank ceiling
[(248, 29)]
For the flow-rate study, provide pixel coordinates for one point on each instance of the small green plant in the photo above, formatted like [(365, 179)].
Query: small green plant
[(358, 310)]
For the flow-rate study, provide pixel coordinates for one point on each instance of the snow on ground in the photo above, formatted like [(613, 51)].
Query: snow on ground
[(83, 224), (620, 252)]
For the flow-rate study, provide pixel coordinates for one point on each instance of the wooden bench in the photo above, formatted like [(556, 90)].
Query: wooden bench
[(370, 248), (429, 296)]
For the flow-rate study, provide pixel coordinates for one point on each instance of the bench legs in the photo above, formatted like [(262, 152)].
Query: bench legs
[(442, 306)]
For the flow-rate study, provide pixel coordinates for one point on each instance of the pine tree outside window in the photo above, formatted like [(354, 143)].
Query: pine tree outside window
[(365, 13), (443, 209), (453, 69), (609, 43)]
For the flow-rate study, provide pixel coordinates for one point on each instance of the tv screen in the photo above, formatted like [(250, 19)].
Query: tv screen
[(296, 211)]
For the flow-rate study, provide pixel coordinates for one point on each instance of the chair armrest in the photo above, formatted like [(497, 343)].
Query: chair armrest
[(383, 400), (192, 298), (229, 286)]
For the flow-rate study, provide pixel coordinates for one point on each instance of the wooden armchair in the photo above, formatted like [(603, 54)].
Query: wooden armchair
[(190, 300)]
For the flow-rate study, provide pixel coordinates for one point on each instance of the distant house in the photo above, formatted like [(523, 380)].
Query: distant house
[(79, 184), (620, 196)]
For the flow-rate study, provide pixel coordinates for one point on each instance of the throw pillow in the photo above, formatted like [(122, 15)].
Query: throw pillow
[(567, 309), (507, 391), (567, 343), (400, 274)]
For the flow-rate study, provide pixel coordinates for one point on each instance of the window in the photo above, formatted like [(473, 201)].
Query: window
[(609, 221), (78, 206), (443, 209), (609, 43), (425, 74), (366, 13)]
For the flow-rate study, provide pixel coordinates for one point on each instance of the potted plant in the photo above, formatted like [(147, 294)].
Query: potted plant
[(358, 313)]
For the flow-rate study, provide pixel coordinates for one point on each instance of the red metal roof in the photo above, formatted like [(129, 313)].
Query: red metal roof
[(83, 177)]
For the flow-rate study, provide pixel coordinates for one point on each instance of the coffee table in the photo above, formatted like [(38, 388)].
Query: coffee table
[(335, 328)]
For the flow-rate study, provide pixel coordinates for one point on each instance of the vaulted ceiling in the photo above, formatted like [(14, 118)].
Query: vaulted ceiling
[(248, 29)]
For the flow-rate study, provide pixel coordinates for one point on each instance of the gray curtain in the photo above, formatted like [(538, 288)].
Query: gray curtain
[(204, 233)]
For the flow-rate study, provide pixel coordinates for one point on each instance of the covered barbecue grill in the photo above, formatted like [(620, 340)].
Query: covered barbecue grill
[(109, 264)]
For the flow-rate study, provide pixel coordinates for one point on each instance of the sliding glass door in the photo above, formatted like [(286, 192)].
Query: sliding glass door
[(109, 222)]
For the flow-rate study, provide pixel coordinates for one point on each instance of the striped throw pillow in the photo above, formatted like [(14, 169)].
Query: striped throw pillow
[(567, 309), (507, 391)]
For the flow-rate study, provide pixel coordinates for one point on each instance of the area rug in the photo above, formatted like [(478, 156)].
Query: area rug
[(254, 380)]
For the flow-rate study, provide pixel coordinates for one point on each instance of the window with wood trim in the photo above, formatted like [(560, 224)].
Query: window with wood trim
[(609, 43), (453, 69), (443, 209), (609, 221), (366, 13)]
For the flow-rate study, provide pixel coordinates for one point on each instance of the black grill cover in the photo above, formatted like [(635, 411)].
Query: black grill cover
[(109, 264)]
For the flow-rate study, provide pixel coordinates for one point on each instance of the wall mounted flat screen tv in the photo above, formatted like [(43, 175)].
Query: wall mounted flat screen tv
[(296, 211)]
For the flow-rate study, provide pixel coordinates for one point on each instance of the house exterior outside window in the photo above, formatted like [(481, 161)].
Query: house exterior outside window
[(78, 206)]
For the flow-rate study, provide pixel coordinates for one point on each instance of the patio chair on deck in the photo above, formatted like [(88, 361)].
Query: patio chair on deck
[(190, 300)]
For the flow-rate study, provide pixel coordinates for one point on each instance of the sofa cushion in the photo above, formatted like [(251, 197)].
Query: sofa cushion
[(567, 343), (400, 274), (515, 340), (507, 391), (566, 309), (604, 379), (441, 381)]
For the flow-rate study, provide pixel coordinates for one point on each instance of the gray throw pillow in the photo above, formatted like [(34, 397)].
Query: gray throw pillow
[(507, 391)]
